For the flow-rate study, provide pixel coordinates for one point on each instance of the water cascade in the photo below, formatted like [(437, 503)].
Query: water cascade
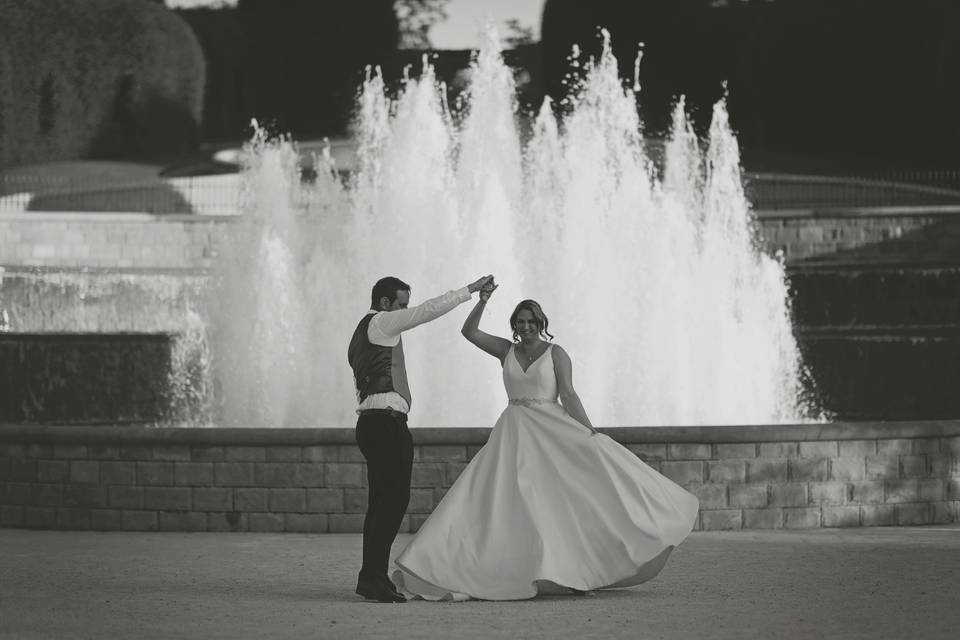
[(650, 275)]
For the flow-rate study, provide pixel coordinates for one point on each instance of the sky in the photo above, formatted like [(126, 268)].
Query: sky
[(466, 18), (464, 22)]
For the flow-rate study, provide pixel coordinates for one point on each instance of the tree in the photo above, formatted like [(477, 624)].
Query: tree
[(416, 18), (517, 34)]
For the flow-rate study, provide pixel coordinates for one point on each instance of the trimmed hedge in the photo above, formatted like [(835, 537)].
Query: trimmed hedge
[(98, 78)]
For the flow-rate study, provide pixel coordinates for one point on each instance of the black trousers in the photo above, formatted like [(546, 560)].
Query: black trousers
[(387, 446)]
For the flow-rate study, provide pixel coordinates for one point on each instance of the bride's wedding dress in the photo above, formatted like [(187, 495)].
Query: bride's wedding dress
[(545, 504)]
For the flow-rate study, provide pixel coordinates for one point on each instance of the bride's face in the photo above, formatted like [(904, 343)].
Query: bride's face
[(526, 325)]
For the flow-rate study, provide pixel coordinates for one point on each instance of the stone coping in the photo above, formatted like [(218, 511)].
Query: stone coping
[(138, 434), (815, 213), (839, 211), (85, 336), (100, 217), (823, 264), (812, 263), (15, 270)]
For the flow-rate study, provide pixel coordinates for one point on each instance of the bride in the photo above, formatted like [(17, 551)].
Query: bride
[(549, 504)]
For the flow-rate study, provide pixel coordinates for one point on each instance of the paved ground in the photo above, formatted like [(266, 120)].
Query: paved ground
[(847, 584)]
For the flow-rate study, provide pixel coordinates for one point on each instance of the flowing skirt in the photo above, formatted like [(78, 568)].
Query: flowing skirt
[(545, 503)]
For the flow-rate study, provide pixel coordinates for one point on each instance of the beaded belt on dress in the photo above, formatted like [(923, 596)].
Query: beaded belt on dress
[(529, 402)]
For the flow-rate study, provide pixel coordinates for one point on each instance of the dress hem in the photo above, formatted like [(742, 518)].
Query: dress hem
[(427, 590)]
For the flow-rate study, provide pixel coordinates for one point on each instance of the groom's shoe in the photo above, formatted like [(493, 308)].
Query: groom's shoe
[(378, 590), (387, 582)]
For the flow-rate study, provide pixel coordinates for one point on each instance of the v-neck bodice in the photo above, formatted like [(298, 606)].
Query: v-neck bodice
[(516, 356), (538, 382)]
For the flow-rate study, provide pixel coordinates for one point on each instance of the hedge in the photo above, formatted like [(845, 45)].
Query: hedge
[(94, 79)]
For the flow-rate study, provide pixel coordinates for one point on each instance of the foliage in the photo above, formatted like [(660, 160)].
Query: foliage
[(322, 48), (416, 18), (294, 65), (199, 4), (864, 77), (517, 34), (844, 77), (95, 78)]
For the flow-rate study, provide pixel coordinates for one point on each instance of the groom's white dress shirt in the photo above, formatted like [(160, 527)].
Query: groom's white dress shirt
[(385, 329)]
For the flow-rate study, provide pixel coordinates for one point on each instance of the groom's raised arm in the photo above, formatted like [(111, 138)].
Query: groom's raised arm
[(393, 323)]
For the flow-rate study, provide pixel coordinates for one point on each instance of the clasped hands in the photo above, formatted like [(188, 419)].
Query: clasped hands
[(488, 288), (484, 285)]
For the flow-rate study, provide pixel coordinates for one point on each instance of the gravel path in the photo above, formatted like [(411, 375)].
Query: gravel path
[(847, 584)]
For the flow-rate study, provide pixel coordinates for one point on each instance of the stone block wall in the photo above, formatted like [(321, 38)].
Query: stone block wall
[(112, 240), (314, 480), (864, 234), (157, 242)]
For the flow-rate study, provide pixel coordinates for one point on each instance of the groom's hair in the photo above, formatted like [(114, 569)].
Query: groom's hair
[(538, 316), (386, 287)]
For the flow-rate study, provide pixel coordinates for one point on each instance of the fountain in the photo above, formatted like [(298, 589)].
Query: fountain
[(653, 282)]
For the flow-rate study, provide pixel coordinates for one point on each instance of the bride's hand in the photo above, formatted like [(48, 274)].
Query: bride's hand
[(487, 289)]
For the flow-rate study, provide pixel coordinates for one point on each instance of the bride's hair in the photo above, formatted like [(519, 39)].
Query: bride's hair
[(538, 316)]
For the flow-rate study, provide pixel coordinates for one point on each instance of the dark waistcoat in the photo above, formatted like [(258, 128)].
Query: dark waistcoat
[(376, 369)]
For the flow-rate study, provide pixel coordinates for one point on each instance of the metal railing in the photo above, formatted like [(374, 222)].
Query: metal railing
[(778, 191), (210, 195)]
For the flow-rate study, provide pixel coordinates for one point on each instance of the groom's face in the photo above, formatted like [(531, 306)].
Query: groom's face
[(401, 301)]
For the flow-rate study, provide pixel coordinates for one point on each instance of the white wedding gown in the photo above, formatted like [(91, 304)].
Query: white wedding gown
[(545, 504)]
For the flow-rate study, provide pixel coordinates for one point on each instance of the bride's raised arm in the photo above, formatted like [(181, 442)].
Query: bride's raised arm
[(494, 345)]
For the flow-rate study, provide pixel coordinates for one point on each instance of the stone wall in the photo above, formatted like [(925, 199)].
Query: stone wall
[(927, 234), (117, 240), (314, 480), (176, 241)]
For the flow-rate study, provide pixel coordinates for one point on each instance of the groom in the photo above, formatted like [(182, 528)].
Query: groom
[(376, 357)]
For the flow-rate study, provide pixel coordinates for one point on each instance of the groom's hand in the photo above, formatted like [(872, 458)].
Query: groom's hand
[(476, 285)]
